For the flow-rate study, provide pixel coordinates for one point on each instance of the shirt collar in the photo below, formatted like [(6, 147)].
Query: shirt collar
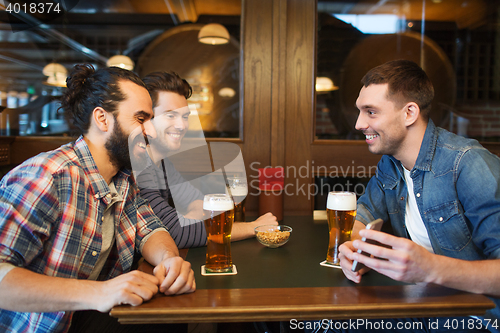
[(426, 153), (428, 148)]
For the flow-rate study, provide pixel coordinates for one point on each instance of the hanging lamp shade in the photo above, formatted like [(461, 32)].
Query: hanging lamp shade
[(324, 84), (56, 74), (227, 92), (121, 61), (214, 34)]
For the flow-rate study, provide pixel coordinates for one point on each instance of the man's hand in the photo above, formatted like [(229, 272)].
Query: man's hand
[(346, 251), (244, 230), (403, 260), (175, 276), (130, 288), (266, 219)]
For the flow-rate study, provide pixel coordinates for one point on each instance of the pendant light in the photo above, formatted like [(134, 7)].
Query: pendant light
[(121, 61), (213, 34), (56, 75)]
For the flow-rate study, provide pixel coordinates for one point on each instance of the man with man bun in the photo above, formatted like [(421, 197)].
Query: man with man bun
[(71, 219)]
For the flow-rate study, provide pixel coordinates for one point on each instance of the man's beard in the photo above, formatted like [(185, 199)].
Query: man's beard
[(118, 150)]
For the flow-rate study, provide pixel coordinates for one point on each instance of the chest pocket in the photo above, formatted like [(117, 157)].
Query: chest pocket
[(448, 226), (392, 196)]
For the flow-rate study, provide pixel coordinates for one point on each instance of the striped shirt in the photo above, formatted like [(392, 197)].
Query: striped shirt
[(51, 211), (155, 184)]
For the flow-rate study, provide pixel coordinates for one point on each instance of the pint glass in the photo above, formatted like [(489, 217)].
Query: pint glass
[(238, 189), (341, 214), (219, 215)]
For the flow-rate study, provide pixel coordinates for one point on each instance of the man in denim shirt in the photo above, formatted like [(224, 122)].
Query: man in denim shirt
[(440, 193)]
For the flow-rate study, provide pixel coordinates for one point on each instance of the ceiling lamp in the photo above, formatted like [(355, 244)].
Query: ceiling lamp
[(324, 84), (214, 34), (121, 61), (227, 92), (56, 75)]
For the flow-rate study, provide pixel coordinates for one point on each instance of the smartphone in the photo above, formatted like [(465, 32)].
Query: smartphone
[(374, 225)]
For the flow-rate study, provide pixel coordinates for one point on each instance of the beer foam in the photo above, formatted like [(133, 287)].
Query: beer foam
[(238, 191), (341, 201), (218, 202)]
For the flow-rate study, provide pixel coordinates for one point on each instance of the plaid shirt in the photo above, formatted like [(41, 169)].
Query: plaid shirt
[(51, 208)]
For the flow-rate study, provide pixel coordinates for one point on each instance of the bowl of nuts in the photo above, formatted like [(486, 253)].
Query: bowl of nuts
[(273, 235)]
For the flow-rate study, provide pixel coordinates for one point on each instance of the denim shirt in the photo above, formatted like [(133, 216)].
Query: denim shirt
[(457, 188)]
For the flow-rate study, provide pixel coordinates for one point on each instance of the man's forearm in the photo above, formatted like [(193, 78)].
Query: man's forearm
[(242, 230), (159, 247), (195, 210), (479, 276), (25, 291)]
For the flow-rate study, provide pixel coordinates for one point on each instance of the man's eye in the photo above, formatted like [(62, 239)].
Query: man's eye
[(186, 117), (141, 120)]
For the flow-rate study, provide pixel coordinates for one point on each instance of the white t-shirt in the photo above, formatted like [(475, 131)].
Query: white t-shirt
[(414, 224)]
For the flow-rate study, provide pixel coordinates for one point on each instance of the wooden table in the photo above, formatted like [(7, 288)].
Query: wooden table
[(288, 283)]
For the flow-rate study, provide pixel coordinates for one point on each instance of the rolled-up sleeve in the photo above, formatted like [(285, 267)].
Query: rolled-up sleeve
[(148, 222)]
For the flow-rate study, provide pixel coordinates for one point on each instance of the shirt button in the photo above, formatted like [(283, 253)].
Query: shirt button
[(402, 198), (102, 219), (94, 253), (96, 195), (418, 195), (440, 219)]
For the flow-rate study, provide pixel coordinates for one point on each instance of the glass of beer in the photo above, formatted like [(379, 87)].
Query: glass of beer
[(238, 189), (341, 214), (219, 216)]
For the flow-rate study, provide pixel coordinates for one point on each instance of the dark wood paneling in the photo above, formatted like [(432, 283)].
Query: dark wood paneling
[(299, 99), (26, 147), (279, 84), (257, 40)]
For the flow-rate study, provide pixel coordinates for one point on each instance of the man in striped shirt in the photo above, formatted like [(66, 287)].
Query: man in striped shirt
[(71, 219), (169, 93)]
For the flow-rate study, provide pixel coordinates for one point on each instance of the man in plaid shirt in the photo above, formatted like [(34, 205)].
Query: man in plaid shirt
[(71, 219)]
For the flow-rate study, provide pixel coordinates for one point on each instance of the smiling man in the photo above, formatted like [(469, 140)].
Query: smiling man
[(71, 219), (439, 192), (169, 93)]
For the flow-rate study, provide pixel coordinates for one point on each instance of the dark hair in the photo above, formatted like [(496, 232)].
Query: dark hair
[(407, 83), (166, 81), (89, 88)]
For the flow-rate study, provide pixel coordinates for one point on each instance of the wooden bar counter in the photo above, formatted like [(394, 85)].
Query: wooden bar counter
[(288, 283)]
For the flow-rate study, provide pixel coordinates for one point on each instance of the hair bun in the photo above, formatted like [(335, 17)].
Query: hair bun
[(78, 76)]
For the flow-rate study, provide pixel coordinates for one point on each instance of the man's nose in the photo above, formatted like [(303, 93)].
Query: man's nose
[(180, 123), (148, 130), (361, 123)]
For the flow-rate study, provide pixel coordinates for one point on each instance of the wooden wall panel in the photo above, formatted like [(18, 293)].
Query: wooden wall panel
[(279, 83), (257, 43), (300, 53)]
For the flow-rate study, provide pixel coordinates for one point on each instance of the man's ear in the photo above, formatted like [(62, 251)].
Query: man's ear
[(412, 113), (101, 119)]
